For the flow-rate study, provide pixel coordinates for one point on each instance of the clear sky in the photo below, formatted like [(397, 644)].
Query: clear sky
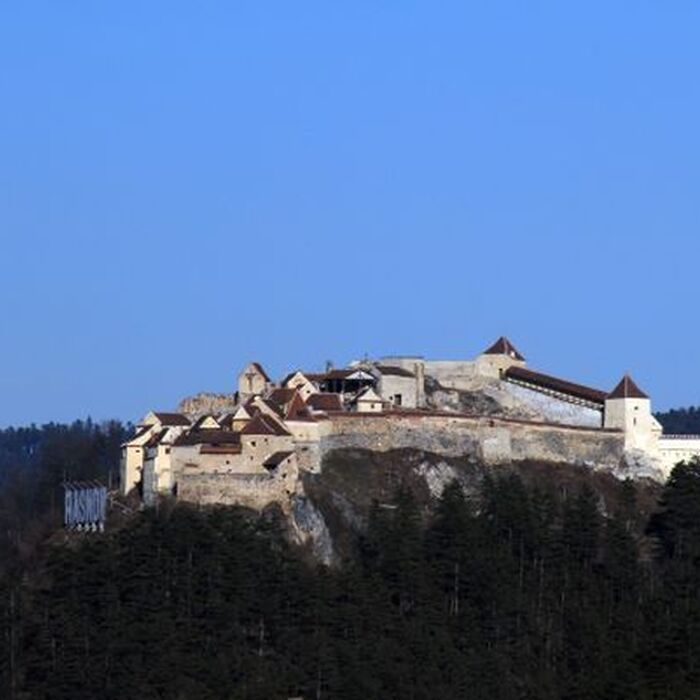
[(185, 186)]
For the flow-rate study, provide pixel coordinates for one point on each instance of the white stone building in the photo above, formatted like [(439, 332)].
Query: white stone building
[(397, 385), (134, 451), (253, 381), (258, 449)]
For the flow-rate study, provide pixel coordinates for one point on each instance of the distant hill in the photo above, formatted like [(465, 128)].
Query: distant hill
[(681, 421)]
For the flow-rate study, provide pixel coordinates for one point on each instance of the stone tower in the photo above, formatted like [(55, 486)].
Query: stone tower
[(628, 408), (498, 358), (253, 380)]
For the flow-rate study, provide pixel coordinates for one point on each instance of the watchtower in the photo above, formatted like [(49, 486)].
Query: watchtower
[(628, 408), (496, 359)]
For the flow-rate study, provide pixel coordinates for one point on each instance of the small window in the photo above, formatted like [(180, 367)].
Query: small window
[(252, 443)]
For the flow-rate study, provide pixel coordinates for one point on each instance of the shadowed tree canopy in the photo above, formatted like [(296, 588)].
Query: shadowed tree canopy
[(511, 590)]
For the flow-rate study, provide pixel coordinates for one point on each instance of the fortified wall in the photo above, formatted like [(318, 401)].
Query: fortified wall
[(491, 440), (493, 410), (554, 410), (248, 490)]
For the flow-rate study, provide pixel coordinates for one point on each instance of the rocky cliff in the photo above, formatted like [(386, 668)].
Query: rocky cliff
[(485, 396), (205, 403), (337, 500)]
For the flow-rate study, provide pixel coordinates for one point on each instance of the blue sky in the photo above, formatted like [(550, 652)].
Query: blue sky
[(188, 186)]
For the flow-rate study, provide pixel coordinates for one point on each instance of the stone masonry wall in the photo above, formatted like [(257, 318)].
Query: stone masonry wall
[(248, 490), (452, 374), (494, 441), (553, 409)]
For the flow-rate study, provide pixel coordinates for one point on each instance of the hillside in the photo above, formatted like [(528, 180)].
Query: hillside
[(448, 579), (516, 590), (352, 481)]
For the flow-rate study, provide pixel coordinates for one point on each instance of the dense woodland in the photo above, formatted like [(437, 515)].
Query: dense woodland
[(34, 461), (681, 421), (514, 592)]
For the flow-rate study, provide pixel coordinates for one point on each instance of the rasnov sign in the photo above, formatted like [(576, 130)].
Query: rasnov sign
[(85, 505)]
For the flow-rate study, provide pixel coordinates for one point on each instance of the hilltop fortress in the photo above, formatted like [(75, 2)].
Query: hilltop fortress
[(253, 447)]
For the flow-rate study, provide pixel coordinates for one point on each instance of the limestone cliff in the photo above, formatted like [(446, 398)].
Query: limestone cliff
[(337, 500), (206, 403), (487, 396)]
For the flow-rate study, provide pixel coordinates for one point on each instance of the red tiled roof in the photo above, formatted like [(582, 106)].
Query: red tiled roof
[(325, 402), (627, 389), (281, 396), (208, 437), (315, 376), (307, 375), (225, 421), (155, 439), (264, 425), (339, 373), (172, 418), (198, 423), (140, 432), (562, 386), (253, 408), (503, 346), (296, 408), (249, 405)]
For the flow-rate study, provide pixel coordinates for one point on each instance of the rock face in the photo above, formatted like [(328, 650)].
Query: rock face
[(207, 403), (364, 459), (637, 464), (493, 397), (352, 480), (476, 402), (307, 528)]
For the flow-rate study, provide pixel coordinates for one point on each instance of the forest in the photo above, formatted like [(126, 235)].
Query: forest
[(516, 591), (681, 421)]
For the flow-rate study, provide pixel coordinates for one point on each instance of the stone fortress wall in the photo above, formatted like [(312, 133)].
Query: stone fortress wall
[(491, 440), (488, 378), (555, 410), (678, 448), (254, 491), (493, 410)]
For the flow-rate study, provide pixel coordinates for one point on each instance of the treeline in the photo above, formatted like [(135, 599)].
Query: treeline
[(517, 592), (34, 461), (681, 421)]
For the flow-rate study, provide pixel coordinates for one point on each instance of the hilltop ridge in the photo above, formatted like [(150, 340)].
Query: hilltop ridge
[(268, 442)]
